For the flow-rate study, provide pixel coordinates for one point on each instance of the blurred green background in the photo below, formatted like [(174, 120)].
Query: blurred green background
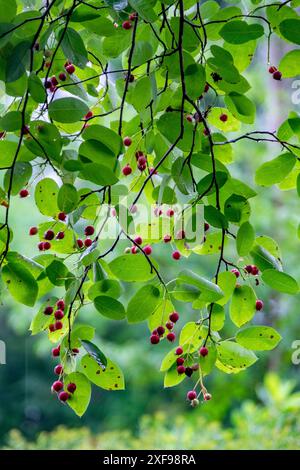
[(257, 409)]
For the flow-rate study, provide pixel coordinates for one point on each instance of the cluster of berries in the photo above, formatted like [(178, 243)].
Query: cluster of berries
[(277, 75), (58, 386), (88, 231), (254, 271), (58, 314), (127, 24), (159, 332)]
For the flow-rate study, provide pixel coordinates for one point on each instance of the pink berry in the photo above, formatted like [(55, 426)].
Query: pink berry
[(134, 250), (171, 337), (181, 370), (64, 396), (203, 351), (33, 231), (88, 242), (127, 141), (176, 255), (179, 351), (62, 216), (154, 339), (138, 240), (191, 395), (57, 386), (259, 305), (23, 193), (59, 314), (58, 369), (170, 212), (174, 317), (71, 387), (127, 170), (148, 250), (48, 310), (236, 272)]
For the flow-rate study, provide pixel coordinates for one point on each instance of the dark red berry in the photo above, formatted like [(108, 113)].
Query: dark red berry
[(160, 330), (154, 339), (71, 387), (41, 246), (188, 371), (259, 305), (51, 328), (89, 230), (181, 370), (127, 141), (255, 270), (179, 351), (62, 216), (176, 255), (58, 325), (174, 317), (248, 268), (148, 250), (62, 76), (206, 226), (64, 396), (277, 75), (60, 236), (88, 242), (206, 132), (133, 16), (60, 304), (48, 310), (191, 395), (169, 325), (75, 350), (126, 25), (206, 88), (23, 193), (56, 352), (48, 84), (127, 170), (203, 351), (57, 386), (47, 245), (272, 69), (223, 117), (170, 212), (171, 337), (33, 231), (180, 361), (79, 243), (59, 314), (49, 235), (88, 115), (70, 69), (58, 369), (54, 80)]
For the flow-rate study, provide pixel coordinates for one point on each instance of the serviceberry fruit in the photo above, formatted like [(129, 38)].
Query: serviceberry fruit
[(57, 386), (88, 242), (171, 337), (160, 330), (148, 250), (203, 351), (181, 370), (64, 396), (71, 387), (127, 141), (259, 305), (180, 361), (23, 193), (89, 230), (59, 314), (179, 351), (58, 369), (176, 255), (154, 339), (62, 216), (174, 317), (48, 310), (191, 395)]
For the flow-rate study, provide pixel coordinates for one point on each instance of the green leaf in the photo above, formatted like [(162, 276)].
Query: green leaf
[(290, 30), (20, 283), (264, 259), (227, 282), (280, 281), (36, 88), (233, 358), (258, 338), (11, 121), (67, 109), (80, 399), (67, 198), (21, 176), (169, 125), (289, 65), (245, 239), (145, 9), (110, 140), (241, 107), (276, 170), (110, 307), (210, 291), (207, 363), (110, 378), (131, 268), (239, 32), (57, 272), (73, 46), (40, 321), (45, 196), (95, 353), (195, 79), (160, 315), (108, 287), (172, 377), (242, 307), (217, 317), (143, 303), (214, 217), (192, 334)]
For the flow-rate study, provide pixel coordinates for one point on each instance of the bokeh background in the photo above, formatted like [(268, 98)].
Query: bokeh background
[(256, 409)]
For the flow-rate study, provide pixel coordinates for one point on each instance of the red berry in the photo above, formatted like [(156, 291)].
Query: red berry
[(255, 270), (60, 304), (58, 369), (75, 350), (62, 76), (236, 272), (33, 231), (56, 351), (138, 240), (248, 268), (49, 235), (170, 212), (223, 117), (54, 80), (174, 317), (179, 351), (134, 250), (41, 246), (189, 371), (58, 325), (277, 75), (176, 255), (60, 236), (142, 161), (48, 84), (154, 339), (180, 361), (127, 170), (206, 88), (206, 132), (181, 370), (272, 69), (88, 242), (171, 337), (89, 230), (62, 216), (127, 25), (57, 386), (167, 238), (160, 330), (133, 16), (189, 118), (88, 115), (206, 226), (148, 250), (259, 305), (70, 69), (127, 141), (47, 245), (64, 396), (79, 243), (23, 193), (191, 395), (51, 328), (71, 387), (169, 325), (203, 351), (59, 314), (48, 310)]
